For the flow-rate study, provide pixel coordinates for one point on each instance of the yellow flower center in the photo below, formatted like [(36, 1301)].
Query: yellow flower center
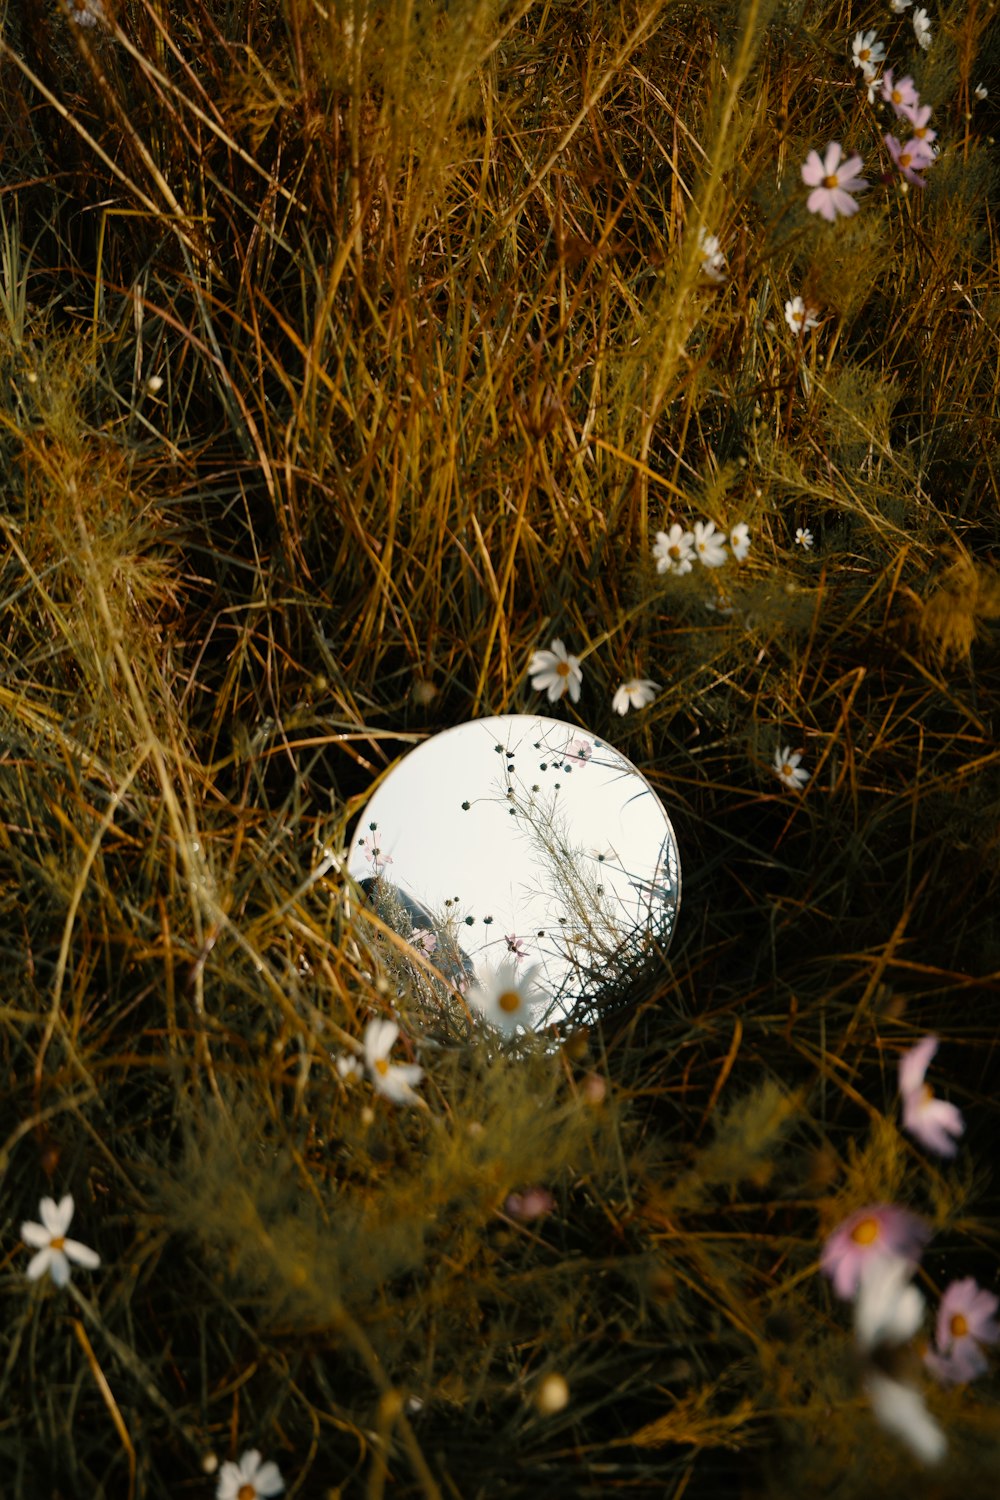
[(58, 1242), (959, 1326), (865, 1233), (865, 54), (675, 551), (905, 158), (927, 1093), (787, 769), (509, 1002), (897, 97), (562, 668), (830, 181), (920, 131), (381, 1066), (247, 1492)]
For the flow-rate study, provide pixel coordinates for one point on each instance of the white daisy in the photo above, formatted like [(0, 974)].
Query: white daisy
[(899, 6), (981, 91), (505, 1000), (901, 1410), (922, 28), (739, 541), (867, 52), (787, 769), (709, 544), (394, 1080), (673, 550), (888, 1308), (635, 693), (556, 672), (799, 317), (713, 263), (249, 1479), (803, 538), (349, 1067), (85, 12), (53, 1250)]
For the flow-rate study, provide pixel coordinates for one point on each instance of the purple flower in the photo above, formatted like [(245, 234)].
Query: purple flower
[(933, 1122), (533, 1203), (902, 95), (965, 1321), (918, 116), (913, 157), (882, 1229), (832, 181)]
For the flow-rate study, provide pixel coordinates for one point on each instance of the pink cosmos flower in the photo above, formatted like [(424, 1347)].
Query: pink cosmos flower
[(918, 116), (579, 750), (901, 95), (882, 1229), (832, 180), (372, 851), (515, 945), (965, 1321), (424, 939), (933, 1122), (533, 1203), (915, 156)]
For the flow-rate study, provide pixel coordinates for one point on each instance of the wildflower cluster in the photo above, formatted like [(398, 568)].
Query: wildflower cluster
[(871, 1258), (834, 179), (556, 672)]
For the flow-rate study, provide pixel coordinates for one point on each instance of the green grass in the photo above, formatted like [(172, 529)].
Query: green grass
[(349, 354)]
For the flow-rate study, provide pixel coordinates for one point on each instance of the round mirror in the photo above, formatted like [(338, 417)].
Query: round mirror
[(523, 839)]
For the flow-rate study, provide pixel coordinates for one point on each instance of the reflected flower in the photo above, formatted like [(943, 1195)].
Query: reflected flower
[(556, 672), (579, 750), (636, 693), (250, 1479), (53, 1251), (786, 768), (966, 1320), (673, 550), (372, 851), (505, 1000), (934, 1122), (394, 1080), (867, 1235), (709, 544)]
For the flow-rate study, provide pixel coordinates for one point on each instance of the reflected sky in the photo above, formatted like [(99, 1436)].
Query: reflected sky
[(521, 835)]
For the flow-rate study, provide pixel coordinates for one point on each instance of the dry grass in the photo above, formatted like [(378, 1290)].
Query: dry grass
[(350, 352)]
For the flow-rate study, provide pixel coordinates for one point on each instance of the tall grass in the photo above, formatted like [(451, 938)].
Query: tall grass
[(349, 353)]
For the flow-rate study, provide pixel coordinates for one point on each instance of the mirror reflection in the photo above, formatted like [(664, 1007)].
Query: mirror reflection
[(520, 839)]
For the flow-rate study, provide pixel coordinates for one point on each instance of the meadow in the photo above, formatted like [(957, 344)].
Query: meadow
[(353, 353)]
